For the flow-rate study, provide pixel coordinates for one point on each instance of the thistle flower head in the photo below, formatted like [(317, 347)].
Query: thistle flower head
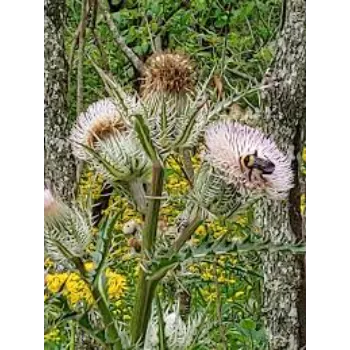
[(167, 73), (214, 197), (67, 231), (179, 334), (122, 158), (176, 106), (248, 159), (101, 120)]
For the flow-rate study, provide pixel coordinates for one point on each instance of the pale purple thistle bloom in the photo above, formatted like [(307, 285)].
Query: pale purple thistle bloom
[(101, 119), (229, 142)]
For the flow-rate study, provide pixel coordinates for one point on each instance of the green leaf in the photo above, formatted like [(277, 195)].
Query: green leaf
[(104, 243), (108, 166), (248, 324), (144, 136), (162, 271)]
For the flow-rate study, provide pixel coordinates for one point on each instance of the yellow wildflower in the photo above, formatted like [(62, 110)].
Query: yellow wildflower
[(221, 279), (209, 296), (77, 290), (55, 281), (52, 336), (116, 284), (218, 234), (192, 268), (89, 266), (201, 230), (207, 276)]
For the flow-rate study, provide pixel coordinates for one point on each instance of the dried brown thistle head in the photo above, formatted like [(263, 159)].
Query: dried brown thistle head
[(168, 73)]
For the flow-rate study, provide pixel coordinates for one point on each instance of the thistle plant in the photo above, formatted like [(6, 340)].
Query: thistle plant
[(129, 142)]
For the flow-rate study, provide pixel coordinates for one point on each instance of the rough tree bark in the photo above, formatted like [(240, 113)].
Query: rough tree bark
[(59, 166), (284, 115)]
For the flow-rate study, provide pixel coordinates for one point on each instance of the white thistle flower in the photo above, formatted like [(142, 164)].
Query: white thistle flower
[(66, 231), (101, 119), (248, 159)]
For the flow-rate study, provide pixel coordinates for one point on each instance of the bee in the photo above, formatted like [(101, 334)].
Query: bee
[(252, 161)]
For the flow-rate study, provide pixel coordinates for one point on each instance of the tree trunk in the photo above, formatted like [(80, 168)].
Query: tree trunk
[(59, 166), (284, 116)]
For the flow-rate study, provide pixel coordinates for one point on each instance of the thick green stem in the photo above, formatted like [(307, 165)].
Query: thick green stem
[(143, 307), (150, 231), (146, 288), (108, 320)]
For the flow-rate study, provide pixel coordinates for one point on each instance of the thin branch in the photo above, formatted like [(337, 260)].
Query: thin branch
[(80, 75), (242, 75), (187, 233), (183, 171), (104, 58), (188, 166), (129, 53), (75, 41)]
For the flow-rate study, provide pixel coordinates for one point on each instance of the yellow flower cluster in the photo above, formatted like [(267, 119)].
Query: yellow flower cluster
[(210, 294), (54, 282), (71, 285), (75, 289), (176, 183), (207, 273), (90, 185), (116, 284)]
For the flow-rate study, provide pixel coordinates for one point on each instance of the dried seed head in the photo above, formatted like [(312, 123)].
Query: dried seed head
[(168, 73)]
